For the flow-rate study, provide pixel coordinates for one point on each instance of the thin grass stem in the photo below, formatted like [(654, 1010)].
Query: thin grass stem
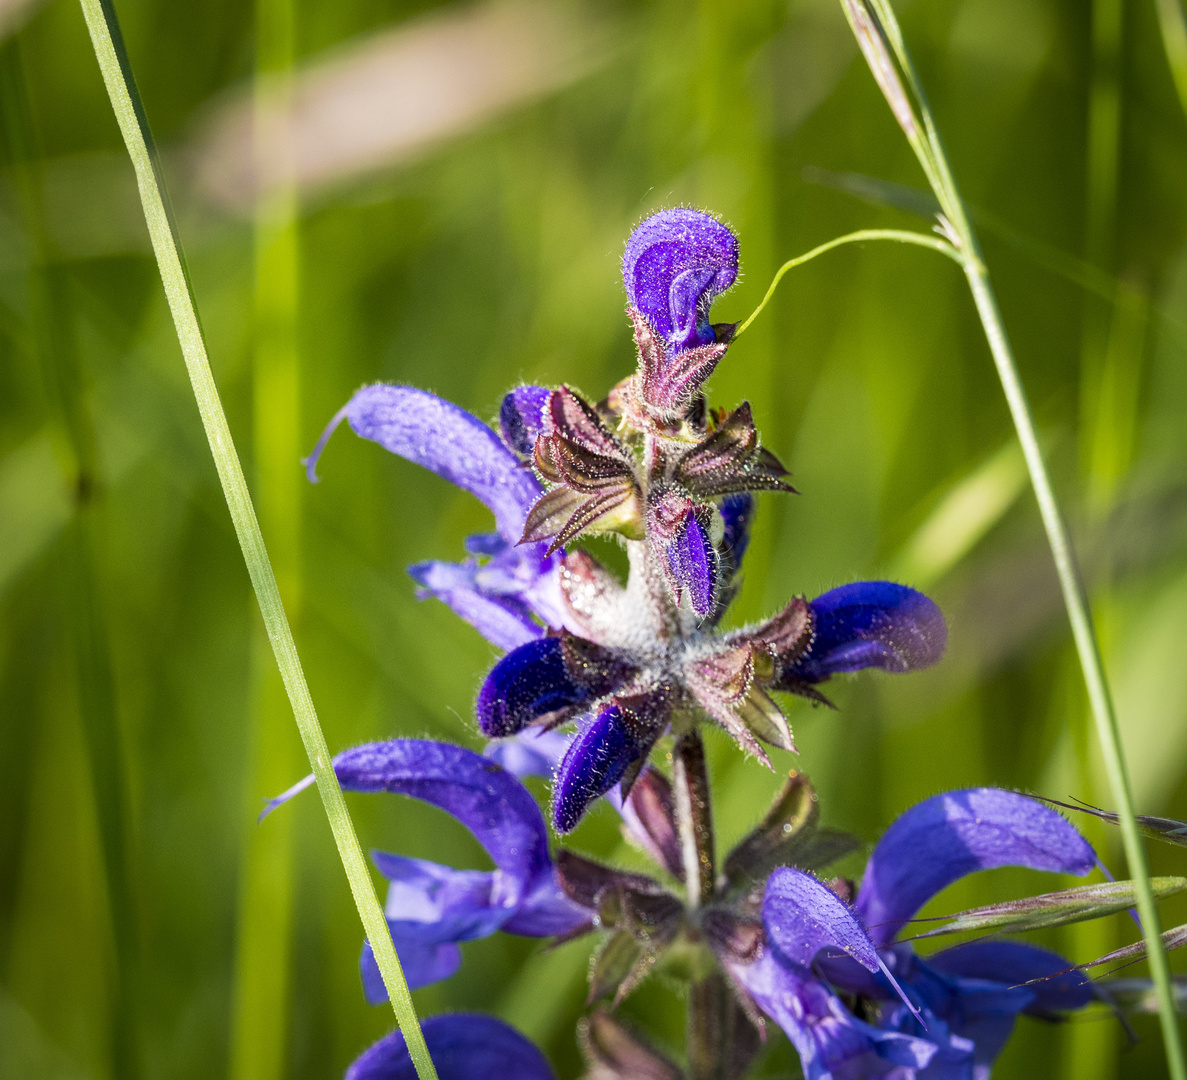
[(1074, 594), (103, 26), (1172, 23), (900, 236)]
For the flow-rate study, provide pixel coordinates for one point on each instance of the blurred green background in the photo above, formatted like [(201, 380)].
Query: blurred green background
[(439, 195)]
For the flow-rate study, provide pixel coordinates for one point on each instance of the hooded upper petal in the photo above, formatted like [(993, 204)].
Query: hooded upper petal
[(430, 908), (463, 1046), (447, 440), (675, 263), (801, 916), (947, 836), (489, 801), (871, 624)]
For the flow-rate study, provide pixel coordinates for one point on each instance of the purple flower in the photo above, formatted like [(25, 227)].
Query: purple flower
[(869, 624), (940, 1019), (676, 262), (508, 590), (463, 1046), (431, 908), (673, 480)]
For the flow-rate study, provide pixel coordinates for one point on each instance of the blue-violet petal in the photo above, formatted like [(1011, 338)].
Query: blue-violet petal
[(463, 1046), (675, 263), (872, 624), (445, 439), (521, 417), (948, 836), (595, 762), (527, 683)]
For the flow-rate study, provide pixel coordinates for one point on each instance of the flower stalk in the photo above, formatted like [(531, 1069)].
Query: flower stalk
[(107, 40), (877, 30)]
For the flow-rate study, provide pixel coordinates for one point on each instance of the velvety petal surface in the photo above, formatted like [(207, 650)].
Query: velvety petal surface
[(489, 801), (447, 440), (521, 417), (872, 624), (801, 916), (832, 1043), (424, 963), (594, 763), (675, 263), (463, 1046), (527, 683), (505, 620), (947, 836)]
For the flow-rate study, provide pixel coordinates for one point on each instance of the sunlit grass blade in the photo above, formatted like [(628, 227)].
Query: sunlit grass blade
[(1174, 938), (1172, 23), (103, 27), (1168, 830), (1053, 909), (959, 230)]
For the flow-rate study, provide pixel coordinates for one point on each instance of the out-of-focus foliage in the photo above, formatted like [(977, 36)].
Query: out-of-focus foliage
[(467, 178)]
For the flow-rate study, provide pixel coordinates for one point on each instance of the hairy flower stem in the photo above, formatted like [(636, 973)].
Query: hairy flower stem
[(711, 1012), (710, 1004), (879, 37), (103, 26), (690, 782)]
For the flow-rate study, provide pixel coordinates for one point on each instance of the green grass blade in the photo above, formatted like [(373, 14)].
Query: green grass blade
[(1075, 598), (103, 27), (1172, 22), (1053, 909)]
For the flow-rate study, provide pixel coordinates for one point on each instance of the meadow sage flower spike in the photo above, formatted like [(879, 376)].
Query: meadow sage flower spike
[(673, 479), (596, 670)]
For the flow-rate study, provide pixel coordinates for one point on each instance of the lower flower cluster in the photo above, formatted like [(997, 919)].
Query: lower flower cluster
[(819, 958)]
